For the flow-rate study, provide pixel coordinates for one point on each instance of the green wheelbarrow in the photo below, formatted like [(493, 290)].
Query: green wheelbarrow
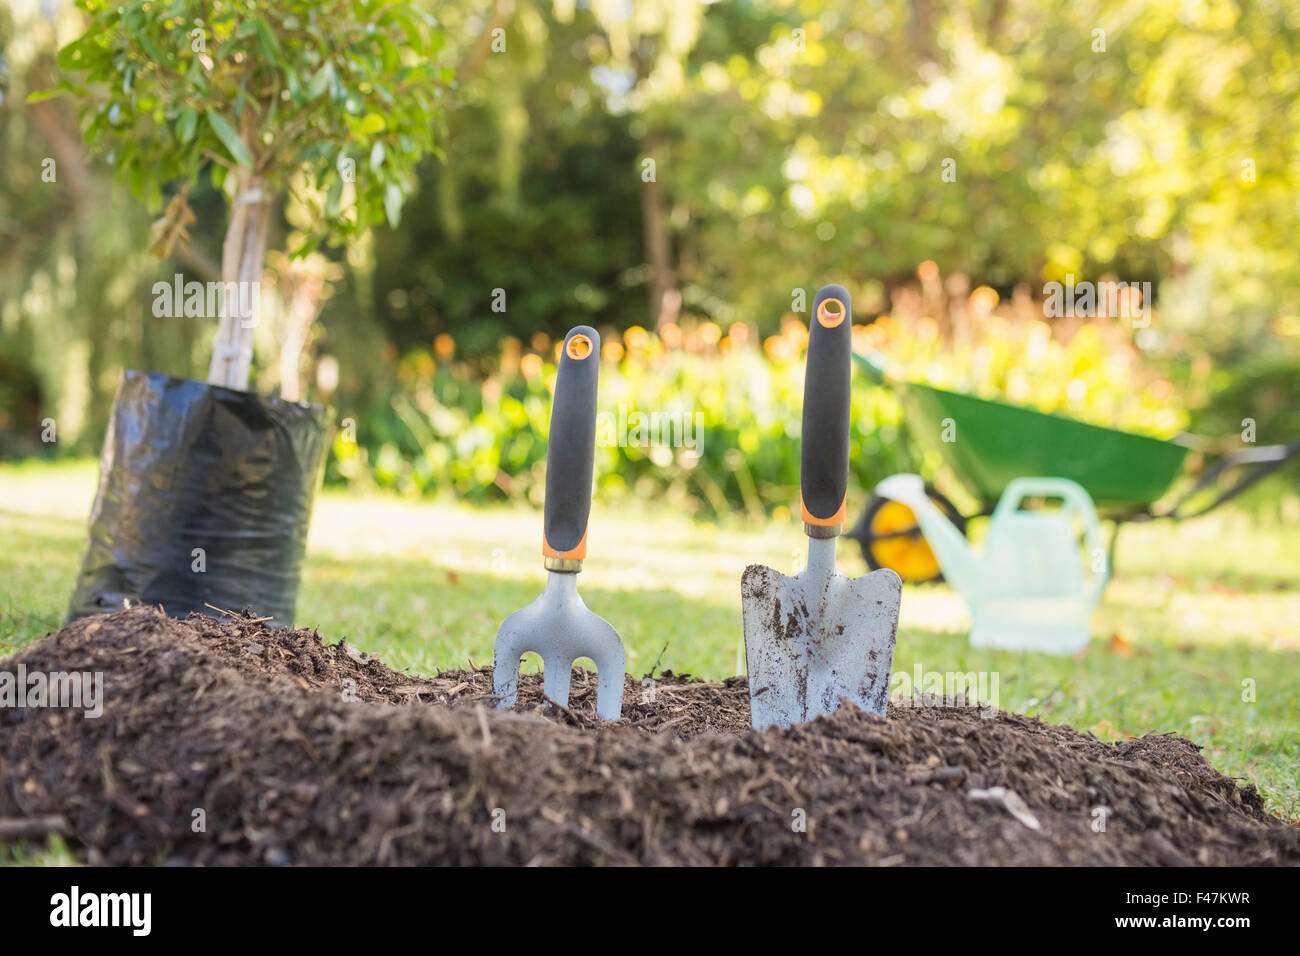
[(988, 444)]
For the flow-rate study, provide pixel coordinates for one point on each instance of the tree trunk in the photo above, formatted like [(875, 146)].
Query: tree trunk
[(242, 256), (303, 291), (295, 339), (665, 301)]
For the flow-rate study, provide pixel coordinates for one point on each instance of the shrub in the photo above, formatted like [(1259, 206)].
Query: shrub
[(446, 428)]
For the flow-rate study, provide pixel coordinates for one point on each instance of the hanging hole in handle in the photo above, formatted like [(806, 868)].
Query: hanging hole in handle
[(831, 313), (578, 347), (1044, 504), (1050, 503), (1041, 502)]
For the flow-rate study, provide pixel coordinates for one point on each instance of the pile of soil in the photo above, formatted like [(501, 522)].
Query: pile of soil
[(232, 743)]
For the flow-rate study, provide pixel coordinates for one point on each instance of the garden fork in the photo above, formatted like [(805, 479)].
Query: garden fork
[(558, 625)]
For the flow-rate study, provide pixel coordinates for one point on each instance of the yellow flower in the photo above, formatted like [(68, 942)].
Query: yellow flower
[(795, 331), (636, 337), (444, 346), (983, 300), (778, 348)]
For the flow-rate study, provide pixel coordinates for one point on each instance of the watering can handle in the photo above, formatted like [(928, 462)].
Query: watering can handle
[(824, 455), (571, 451), (1076, 500)]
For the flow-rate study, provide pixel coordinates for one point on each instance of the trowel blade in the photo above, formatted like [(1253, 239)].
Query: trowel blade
[(810, 641)]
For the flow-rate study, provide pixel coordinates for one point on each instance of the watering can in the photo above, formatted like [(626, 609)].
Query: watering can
[(1032, 587)]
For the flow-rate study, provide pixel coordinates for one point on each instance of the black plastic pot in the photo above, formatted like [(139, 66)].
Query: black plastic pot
[(205, 496)]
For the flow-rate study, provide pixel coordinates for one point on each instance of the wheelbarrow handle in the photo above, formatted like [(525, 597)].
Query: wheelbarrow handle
[(824, 456), (1256, 463), (571, 451)]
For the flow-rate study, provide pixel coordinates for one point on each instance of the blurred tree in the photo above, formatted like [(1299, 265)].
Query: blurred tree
[(1019, 142), (795, 141), (537, 196), (639, 60), (70, 259), (344, 91)]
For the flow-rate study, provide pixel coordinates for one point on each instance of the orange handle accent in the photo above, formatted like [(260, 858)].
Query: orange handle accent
[(577, 553), (809, 518)]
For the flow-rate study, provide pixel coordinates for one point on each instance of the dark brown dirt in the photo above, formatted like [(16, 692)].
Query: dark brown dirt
[(298, 752)]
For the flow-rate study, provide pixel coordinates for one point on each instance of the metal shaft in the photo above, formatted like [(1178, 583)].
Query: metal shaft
[(561, 586), (821, 559)]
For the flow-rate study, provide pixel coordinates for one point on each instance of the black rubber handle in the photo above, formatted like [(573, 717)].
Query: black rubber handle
[(824, 457), (571, 448)]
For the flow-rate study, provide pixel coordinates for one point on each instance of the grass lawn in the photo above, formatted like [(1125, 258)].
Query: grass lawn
[(1198, 616)]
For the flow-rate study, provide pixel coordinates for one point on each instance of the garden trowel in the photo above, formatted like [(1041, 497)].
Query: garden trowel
[(558, 626), (817, 637)]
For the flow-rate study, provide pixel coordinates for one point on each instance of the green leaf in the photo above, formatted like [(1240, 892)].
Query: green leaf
[(71, 56), (266, 40), (227, 48), (393, 204), (242, 93), (372, 124), (333, 198), (188, 120), (40, 96), (197, 76), (153, 198), (229, 138), (409, 26), (320, 80), (363, 209), (151, 48), (392, 56)]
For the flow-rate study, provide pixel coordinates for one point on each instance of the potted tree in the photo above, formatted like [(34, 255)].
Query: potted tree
[(205, 488)]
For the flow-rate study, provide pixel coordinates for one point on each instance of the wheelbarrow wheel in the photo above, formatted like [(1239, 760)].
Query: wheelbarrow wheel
[(890, 538)]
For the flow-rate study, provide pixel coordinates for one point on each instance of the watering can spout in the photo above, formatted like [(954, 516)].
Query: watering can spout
[(960, 566)]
